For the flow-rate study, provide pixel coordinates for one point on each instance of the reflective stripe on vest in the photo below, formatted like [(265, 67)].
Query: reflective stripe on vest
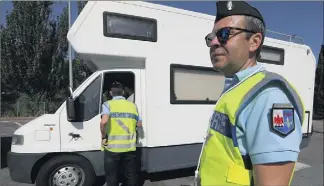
[(274, 78), (221, 161), (121, 127)]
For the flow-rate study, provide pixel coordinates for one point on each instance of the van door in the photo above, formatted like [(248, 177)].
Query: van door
[(84, 133)]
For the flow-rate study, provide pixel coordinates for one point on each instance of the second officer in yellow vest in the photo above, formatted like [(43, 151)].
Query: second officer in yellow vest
[(118, 128), (256, 127)]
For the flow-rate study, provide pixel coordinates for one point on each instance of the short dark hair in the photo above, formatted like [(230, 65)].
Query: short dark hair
[(117, 88), (255, 25)]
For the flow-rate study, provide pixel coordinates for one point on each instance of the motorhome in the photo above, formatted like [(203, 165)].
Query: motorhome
[(161, 52)]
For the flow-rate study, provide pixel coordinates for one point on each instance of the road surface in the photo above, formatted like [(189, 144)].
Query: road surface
[(309, 169)]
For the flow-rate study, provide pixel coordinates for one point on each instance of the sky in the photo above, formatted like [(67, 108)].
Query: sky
[(303, 18)]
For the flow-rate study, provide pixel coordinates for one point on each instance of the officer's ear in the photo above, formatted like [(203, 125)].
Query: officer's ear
[(255, 42)]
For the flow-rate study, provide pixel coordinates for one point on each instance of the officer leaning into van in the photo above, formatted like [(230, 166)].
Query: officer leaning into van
[(118, 128), (256, 128)]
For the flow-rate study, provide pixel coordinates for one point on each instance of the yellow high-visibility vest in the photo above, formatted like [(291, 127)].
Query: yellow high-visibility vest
[(121, 127), (221, 162)]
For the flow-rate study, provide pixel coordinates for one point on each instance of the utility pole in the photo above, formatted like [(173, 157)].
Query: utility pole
[(0, 70), (70, 51)]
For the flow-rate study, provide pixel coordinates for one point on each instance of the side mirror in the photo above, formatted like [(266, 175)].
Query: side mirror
[(70, 109)]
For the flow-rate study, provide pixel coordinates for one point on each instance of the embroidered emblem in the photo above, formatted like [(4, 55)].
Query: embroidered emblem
[(229, 5), (220, 123), (282, 119)]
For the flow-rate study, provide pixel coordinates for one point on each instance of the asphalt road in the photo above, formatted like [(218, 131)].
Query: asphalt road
[(312, 157), (309, 169)]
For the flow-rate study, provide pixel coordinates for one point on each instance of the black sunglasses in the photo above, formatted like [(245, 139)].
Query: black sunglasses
[(223, 34)]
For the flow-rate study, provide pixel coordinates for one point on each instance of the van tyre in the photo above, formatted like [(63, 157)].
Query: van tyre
[(66, 170)]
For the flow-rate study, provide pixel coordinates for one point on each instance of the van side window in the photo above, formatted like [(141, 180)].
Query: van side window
[(125, 26), (272, 55), (87, 103), (195, 85)]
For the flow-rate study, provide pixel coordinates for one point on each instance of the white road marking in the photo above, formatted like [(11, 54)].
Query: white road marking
[(17, 123), (12, 122), (299, 166)]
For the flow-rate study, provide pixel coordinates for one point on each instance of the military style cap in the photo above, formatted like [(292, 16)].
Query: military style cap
[(229, 8)]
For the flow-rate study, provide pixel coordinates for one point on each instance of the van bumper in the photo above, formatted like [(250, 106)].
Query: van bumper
[(21, 164), (5, 146)]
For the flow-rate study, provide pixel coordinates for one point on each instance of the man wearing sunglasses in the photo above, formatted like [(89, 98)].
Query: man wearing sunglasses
[(255, 130)]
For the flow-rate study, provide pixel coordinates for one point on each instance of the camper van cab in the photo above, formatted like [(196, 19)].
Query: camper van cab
[(160, 51)]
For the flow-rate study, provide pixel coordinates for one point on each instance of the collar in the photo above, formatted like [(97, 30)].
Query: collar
[(118, 97), (241, 75)]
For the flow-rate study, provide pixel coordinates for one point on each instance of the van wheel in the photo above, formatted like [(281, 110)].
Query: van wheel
[(67, 170)]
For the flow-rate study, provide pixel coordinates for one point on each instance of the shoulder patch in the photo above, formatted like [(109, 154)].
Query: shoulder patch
[(282, 119)]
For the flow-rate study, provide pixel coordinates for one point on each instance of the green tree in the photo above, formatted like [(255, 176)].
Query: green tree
[(26, 49), (25, 44), (34, 57), (319, 86), (33, 52), (81, 5)]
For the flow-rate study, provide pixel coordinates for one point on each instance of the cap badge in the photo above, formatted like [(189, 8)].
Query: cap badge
[(229, 5)]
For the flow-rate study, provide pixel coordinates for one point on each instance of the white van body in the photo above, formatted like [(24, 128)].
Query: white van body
[(170, 71)]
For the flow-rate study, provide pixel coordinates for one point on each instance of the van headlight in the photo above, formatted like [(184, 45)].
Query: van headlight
[(17, 139)]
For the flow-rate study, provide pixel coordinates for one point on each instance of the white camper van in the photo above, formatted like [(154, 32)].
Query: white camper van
[(161, 51)]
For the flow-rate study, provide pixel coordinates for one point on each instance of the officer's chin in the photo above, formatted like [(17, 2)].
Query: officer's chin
[(219, 64)]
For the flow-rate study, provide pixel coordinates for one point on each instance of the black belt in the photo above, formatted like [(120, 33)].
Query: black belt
[(248, 165), (247, 162)]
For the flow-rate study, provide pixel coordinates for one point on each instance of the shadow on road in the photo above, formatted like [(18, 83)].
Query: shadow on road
[(160, 176), (100, 181), (171, 174)]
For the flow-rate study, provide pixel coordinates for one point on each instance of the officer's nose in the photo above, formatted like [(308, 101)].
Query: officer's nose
[(214, 42)]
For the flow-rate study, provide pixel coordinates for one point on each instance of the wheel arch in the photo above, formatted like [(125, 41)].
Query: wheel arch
[(39, 163)]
